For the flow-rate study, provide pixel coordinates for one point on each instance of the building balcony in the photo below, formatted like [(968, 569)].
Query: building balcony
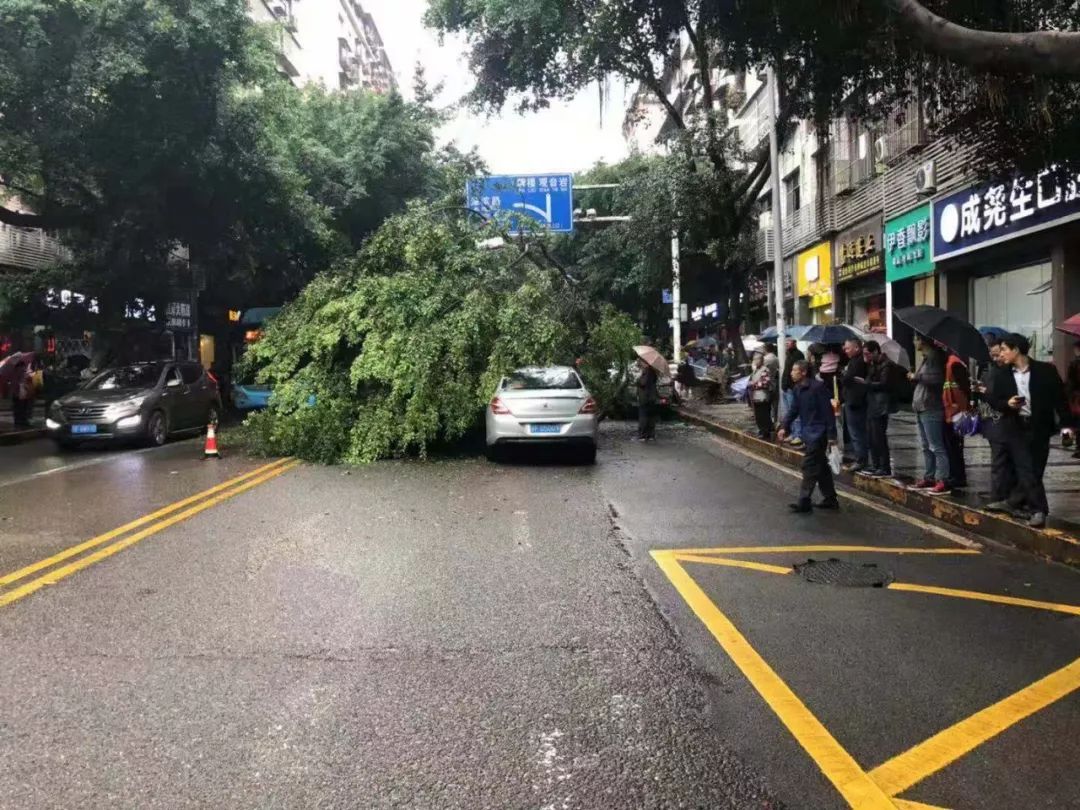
[(807, 225), (30, 248)]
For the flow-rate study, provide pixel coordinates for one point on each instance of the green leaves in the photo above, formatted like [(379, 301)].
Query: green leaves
[(404, 347)]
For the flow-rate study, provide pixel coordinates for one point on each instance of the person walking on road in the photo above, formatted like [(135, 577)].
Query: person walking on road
[(853, 395), (760, 395), (648, 397), (930, 417), (1030, 400), (813, 405), (22, 395), (787, 387), (880, 403)]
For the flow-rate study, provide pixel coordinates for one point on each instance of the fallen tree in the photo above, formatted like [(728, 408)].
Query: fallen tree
[(400, 349)]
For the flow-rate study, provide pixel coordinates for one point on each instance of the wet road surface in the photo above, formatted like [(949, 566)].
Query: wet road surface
[(462, 634)]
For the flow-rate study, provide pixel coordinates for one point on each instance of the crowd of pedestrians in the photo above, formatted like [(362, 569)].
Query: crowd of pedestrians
[(1016, 402)]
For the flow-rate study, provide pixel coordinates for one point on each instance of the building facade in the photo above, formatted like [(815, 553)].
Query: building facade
[(335, 43), (882, 215)]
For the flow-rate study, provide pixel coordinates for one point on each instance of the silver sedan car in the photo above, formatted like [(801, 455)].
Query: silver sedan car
[(542, 406)]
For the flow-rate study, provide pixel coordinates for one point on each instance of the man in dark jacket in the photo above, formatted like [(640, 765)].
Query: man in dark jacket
[(880, 402), (813, 405), (1032, 402), (648, 397), (853, 395), (791, 356)]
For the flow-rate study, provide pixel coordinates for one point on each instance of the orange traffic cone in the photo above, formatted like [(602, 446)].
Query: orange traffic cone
[(211, 450)]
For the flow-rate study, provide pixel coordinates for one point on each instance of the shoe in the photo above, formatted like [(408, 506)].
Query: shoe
[(1037, 520), (1003, 507), (857, 467), (801, 507), (796, 443), (922, 483), (940, 488), (832, 504)]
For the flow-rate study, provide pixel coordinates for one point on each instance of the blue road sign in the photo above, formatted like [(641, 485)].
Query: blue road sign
[(547, 199)]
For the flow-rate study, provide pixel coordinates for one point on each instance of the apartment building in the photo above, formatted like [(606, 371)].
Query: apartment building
[(335, 43), (879, 215)]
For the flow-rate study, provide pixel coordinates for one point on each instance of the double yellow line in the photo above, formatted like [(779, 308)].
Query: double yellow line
[(154, 522)]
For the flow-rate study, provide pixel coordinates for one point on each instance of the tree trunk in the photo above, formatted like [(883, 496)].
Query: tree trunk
[(1045, 53)]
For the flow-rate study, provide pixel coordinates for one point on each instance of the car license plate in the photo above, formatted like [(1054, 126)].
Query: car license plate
[(84, 428), (544, 428)]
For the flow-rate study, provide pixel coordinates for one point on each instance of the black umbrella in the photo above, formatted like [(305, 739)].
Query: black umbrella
[(946, 328)]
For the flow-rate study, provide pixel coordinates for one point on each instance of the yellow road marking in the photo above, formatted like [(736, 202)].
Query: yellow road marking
[(819, 549), (753, 566), (907, 804), (986, 597), (57, 574), (834, 761), (927, 758), (68, 553)]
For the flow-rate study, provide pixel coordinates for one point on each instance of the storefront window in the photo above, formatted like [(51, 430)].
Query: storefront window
[(1019, 301), (867, 312)]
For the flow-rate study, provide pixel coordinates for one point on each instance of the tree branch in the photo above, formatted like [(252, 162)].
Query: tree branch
[(20, 190), (47, 222), (750, 199), (1047, 53), (654, 84), (754, 175)]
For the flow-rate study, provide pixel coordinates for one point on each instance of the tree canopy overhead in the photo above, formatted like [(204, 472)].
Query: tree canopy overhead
[(138, 127)]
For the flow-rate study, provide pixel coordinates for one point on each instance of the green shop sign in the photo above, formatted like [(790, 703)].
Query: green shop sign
[(907, 245)]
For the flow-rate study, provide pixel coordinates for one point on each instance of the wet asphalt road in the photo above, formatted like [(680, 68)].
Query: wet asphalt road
[(465, 635)]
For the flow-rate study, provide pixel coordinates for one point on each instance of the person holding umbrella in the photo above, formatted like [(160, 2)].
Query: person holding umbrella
[(929, 410), (647, 393), (814, 407)]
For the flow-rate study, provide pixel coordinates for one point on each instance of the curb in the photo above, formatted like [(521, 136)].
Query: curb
[(20, 436), (1052, 543)]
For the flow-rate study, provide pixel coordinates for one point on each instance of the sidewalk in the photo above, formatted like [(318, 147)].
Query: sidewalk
[(964, 510), (9, 434)]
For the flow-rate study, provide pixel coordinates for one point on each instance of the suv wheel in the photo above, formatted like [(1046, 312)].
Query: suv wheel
[(157, 431)]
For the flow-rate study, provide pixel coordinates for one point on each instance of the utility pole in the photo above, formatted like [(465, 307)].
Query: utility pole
[(777, 219), (676, 297)]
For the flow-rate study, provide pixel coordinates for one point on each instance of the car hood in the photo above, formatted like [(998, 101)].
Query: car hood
[(77, 398)]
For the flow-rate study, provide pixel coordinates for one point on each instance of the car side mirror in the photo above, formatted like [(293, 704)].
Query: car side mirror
[(172, 383)]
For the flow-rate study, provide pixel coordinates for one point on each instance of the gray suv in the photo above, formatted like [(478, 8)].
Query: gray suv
[(148, 401)]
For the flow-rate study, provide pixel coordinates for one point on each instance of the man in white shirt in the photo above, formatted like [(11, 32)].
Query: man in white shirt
[(1033, 407)]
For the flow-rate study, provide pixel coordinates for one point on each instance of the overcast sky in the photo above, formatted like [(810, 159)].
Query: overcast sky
[(566, 137)]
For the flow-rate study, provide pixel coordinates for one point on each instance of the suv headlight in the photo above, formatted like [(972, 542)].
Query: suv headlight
[(129, 407), (55, 411)]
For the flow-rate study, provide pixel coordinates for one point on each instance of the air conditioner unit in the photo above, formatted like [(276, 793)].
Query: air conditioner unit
[(881, 151), (926, 178), (279, 10)]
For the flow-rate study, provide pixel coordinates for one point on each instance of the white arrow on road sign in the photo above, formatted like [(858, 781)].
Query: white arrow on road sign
[(537, 209)]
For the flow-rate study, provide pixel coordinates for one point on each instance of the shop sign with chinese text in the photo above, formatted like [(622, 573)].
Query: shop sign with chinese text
[(907, 245), (995, 212), (857, 251), (178, 315)]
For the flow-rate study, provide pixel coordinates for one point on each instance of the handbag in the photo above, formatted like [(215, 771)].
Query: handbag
[(835, 458)]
